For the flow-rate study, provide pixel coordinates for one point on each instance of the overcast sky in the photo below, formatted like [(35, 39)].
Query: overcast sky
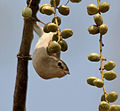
[(70, 93)]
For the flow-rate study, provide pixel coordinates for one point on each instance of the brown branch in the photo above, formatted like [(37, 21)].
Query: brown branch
[(23, 56)]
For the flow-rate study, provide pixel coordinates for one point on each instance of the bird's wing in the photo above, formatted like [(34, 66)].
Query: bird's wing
[(57, 55)]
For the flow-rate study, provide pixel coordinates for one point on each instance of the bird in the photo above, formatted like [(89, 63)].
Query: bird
[(47, 65)]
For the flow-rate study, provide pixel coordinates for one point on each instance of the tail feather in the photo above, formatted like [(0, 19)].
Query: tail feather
[(38, 29)]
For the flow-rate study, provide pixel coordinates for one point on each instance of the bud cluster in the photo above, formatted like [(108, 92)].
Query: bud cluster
[(108, 74), (57, 44)]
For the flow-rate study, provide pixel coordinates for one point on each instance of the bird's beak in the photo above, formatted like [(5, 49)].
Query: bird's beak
[(67, 72)]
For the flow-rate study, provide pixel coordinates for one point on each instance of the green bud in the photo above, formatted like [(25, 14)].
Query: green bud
[(58, 20), (45, 28), (42, 7), (112, 97), (63, 45), (94, 57), (75, 1), (93, 29), (104, 106), (55, 37), (103, 97), (54, 47), (56, 1), (103, 29), (47, 10), (98, 83), (104, 7), (114, 107), (110, 75), (52, 27), (109, 65), (90, 80), (98, 19), (27, 12), (92, 9), (64, 10), (66, 33)]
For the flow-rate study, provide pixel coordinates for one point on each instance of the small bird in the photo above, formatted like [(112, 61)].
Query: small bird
[(47, 65)]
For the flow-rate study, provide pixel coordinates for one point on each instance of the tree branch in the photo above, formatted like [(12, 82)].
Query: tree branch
[(23, 56)]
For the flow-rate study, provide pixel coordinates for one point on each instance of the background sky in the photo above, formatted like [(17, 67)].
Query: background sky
[(70, 93)]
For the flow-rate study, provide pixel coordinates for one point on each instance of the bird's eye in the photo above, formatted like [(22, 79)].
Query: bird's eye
[(60, 64)]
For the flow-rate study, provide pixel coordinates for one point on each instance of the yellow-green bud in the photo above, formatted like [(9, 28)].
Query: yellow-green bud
[(98, 83), (103, 97), (103, 29), (90, 80), (55, 37), (104, 7), (64, 10), (114, 107), (47, 10), (66, 33), (58, 20), (94, 57), (52, 27), (56, 1), (92, 9), (63, 45), (42, 7), (109, 65), (93, 29), (45, 28), (98, 19), (54, 47), (104, 106), (75, 1), (110, 75), (27, 12), (112, 97)]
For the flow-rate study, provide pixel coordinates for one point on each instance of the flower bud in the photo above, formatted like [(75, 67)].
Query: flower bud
[(54, 47), (104, 7), (56, 1), (98, 83), (112, 97), (114, 107), (110, 75), (92, 9), (64, 10), (90, 80), (55, 37), (75, 1), (58, 20), (45, 28), (42, 7), (66, 33), (103, 29), (47, 10), (94, 57), (93, 29), (104, 106), (109, 65), (103, 98), (27, 12), (98, 19), (52, 27), (63, 45)]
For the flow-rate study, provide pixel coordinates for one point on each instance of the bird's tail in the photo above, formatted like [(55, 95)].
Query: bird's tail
[(38, 29)]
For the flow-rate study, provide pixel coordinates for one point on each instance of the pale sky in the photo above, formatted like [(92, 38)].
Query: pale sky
[(70, 93)]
